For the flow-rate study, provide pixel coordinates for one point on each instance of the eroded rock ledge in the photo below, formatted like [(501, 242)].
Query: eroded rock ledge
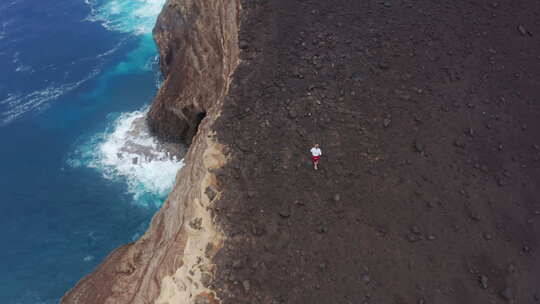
[(171, 263)]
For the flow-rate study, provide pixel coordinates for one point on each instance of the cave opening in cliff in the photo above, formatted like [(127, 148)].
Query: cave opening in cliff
[(196, 118), (199, 118)]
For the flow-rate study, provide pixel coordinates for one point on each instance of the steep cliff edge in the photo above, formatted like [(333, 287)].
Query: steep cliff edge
[(171, 263), (427, 114), (198, 47)]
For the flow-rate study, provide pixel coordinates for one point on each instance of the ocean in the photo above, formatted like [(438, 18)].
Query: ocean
[(77, 77)]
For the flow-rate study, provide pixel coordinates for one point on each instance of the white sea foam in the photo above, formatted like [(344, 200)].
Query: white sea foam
[(24, 69), (127, 16), (3, 30), (128, 152), (16, 56), (18, 104), (8, 4), (111, 51), (4, 27)]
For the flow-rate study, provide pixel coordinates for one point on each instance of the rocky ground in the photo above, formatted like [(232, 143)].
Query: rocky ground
[(427, 113)]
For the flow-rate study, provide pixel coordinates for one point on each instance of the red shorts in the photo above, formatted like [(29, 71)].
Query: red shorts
[(315, 158)]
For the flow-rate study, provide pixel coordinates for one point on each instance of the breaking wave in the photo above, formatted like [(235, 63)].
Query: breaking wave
[(127, 16), (128, 152)]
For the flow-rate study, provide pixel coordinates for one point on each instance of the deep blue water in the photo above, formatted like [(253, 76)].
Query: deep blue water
[(69, 69)]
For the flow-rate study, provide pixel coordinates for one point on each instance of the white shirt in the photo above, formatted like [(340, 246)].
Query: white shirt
[(316, 151)]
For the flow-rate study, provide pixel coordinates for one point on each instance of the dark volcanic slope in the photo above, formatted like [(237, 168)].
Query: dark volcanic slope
[(428, 115)]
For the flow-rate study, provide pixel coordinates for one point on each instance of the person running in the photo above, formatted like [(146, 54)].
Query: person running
[(316, 155)]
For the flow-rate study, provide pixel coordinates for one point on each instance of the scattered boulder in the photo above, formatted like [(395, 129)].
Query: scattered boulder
[(522, 30), (323, 228), (285, 211), (412, 238), (459, 143), (483, 281), (415, 230), (419, 147), (511, 268), (366, 278), (196, 223)]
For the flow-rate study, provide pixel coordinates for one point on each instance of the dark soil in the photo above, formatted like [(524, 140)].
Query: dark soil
[(428, 115)]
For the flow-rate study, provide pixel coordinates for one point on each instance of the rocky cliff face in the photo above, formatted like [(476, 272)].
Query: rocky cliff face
[(171, 263), (198, 48), (427, 115)]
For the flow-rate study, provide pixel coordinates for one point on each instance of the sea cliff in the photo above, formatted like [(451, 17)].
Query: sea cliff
[(171, 262), (427, 190)]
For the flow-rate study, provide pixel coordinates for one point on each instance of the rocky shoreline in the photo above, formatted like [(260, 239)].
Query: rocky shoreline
[(172, 261), (427, 114)]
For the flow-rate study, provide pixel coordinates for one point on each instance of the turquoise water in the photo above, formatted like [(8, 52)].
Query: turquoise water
[(76, 75)]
